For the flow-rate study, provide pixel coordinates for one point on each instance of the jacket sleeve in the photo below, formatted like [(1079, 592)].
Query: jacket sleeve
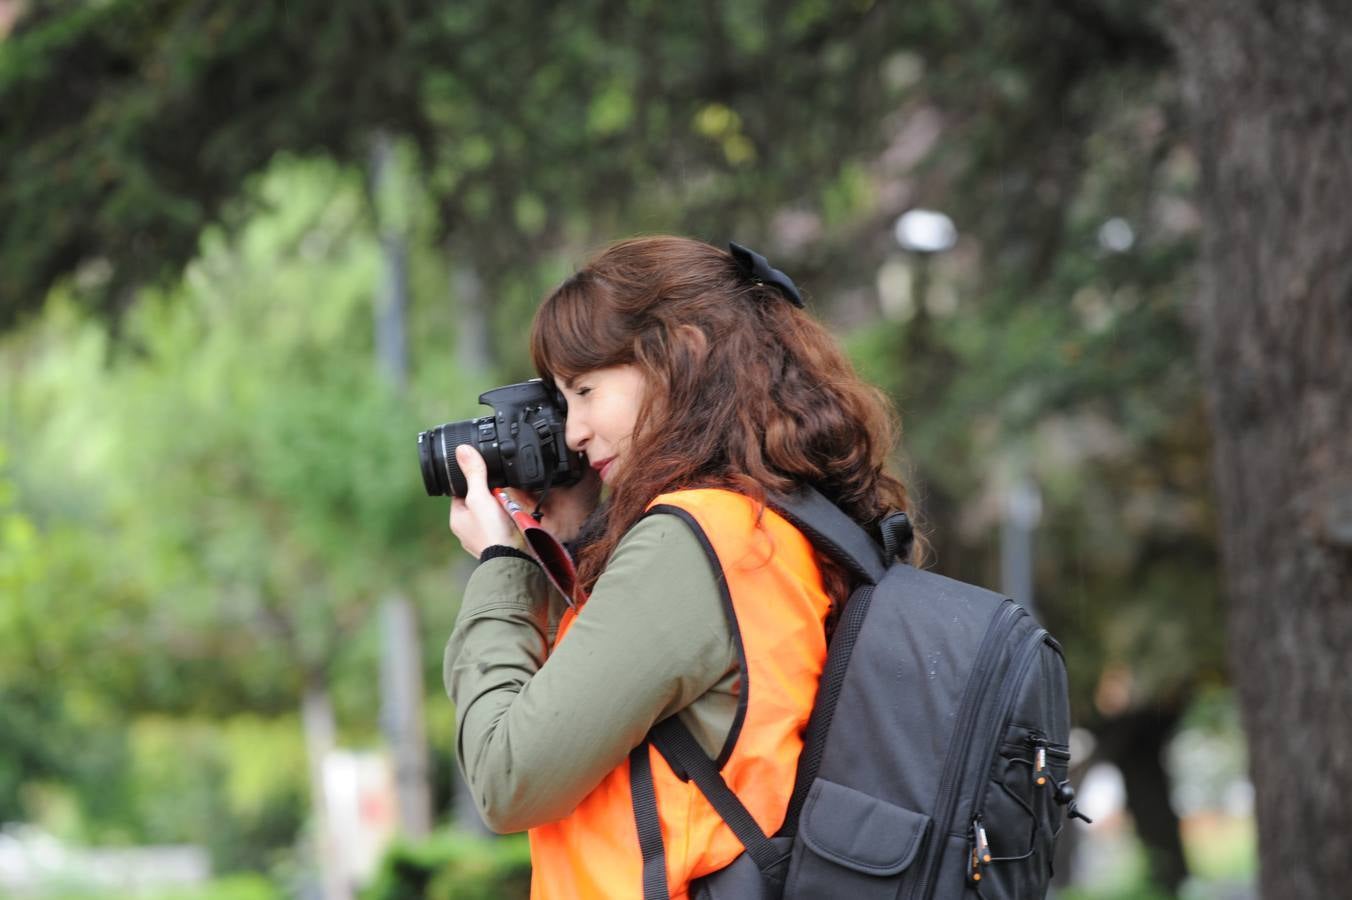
[(537, 731)]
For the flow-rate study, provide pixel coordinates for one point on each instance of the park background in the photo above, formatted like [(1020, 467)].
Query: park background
[(249, 250)]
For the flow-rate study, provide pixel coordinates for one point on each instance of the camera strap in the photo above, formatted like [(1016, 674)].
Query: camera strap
[(553, 557)]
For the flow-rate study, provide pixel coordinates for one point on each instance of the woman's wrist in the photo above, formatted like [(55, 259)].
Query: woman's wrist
[(496, 550)]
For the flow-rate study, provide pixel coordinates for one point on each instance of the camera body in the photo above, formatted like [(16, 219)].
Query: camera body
[(522, 443)]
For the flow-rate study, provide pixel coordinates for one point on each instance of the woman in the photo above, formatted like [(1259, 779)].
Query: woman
[(695, 384)]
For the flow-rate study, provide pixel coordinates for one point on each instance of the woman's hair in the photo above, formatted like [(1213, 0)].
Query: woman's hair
[(744, 391)]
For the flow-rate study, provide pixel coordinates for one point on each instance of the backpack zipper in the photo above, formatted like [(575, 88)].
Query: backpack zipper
[(1043, 748), (1060, 751), (1003, 622), (1023, 661), (979, 852)]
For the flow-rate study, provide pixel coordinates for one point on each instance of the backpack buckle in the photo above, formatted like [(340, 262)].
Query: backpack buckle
[(898, 536)]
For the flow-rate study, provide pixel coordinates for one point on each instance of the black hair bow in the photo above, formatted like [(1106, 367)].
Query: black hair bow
[(759, 270)]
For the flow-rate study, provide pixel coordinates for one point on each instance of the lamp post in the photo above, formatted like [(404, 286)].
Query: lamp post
[(923, 233), (923, 362), (1022, 513)]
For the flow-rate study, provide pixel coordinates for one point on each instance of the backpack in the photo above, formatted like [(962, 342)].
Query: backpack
[(935, 759)]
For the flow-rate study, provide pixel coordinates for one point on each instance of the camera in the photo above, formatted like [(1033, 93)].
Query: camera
[(522, 443)]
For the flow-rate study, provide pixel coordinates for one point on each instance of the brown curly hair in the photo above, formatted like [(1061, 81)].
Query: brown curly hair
[(744, 391)]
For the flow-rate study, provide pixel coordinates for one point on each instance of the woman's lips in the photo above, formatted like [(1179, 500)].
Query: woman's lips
[(602, 466)]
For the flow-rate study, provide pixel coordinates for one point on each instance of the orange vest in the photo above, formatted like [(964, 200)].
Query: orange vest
[(775, 590)]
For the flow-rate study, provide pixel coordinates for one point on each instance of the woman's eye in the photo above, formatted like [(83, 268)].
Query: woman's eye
[(582, 392)]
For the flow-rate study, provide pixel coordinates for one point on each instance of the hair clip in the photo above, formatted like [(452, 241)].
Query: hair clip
[(759, 270)]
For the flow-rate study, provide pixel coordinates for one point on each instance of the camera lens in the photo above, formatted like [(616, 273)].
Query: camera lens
[(436, 454)]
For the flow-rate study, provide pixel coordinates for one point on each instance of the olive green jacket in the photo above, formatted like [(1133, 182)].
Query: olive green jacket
[(540, 726)]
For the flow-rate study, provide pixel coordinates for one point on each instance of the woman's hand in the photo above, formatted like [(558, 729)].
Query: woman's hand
[(478, 519)]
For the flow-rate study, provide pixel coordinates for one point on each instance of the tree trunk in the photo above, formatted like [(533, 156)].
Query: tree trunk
[(401, 714), (401, 686), (474, 346), (391, 301), (1135, 742), (1268, 88), (317, 720)]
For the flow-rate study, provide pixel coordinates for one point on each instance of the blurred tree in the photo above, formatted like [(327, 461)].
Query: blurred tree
[(1269, 90), (204, 549), (38, 729), (294, 540), (132, 124)]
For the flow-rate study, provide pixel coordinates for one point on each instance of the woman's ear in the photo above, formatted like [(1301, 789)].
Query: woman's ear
[(692, 343), (688, 357), (680, 350)]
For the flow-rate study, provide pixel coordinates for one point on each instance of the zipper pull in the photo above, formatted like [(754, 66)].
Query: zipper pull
[(983, 846), (1039, 744), (974, 858), (1065, 795)]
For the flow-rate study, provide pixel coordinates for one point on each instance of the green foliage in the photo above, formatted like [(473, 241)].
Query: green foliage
[(256, 392), (235, 786), (454, 866), (198, 519), (235, 887), (529, 120), (49, 733)]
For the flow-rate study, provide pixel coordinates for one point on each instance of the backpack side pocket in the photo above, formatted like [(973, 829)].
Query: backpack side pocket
[(1012, 837)]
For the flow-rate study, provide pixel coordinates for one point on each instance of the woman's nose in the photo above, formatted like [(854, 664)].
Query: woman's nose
[(575, 433)]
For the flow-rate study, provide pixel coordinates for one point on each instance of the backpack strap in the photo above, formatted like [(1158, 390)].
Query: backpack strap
[(824, 709), (898, 537), (643, 794), (832, 532), (689, 761)]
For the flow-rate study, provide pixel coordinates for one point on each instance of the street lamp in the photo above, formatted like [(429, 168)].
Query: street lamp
[(925, 231), (903, 286)]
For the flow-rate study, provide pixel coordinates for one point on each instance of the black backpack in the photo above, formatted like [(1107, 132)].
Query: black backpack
[(935, 760)]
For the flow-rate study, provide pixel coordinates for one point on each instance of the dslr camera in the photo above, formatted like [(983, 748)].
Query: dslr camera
[(522, 443)]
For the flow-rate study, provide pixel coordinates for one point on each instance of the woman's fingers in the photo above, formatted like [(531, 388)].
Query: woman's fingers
[(477, 519), (458, 513), (475, 471), (477, 496)]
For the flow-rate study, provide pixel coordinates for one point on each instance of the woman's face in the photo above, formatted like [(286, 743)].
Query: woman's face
[(603, 408)]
